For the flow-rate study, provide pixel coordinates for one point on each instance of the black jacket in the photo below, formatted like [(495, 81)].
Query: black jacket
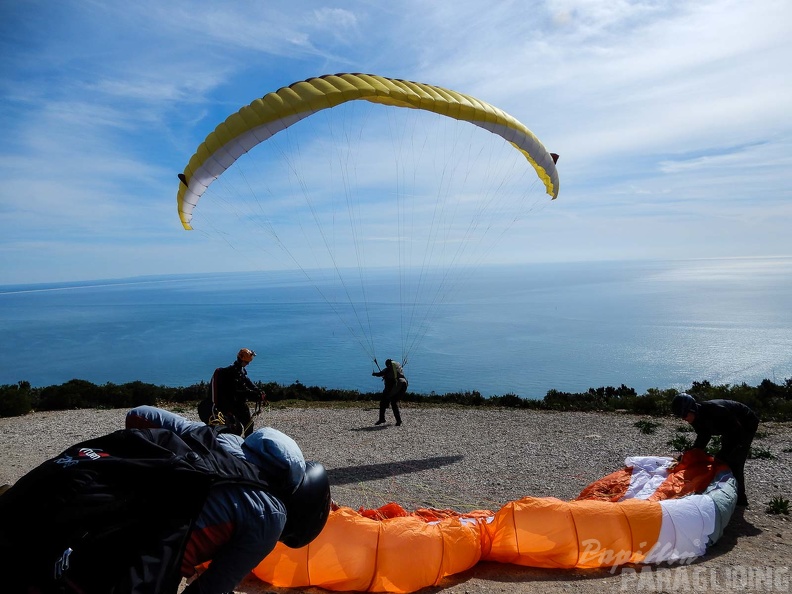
[(391, 375), (231, 386), (733, 421), (118, 508)]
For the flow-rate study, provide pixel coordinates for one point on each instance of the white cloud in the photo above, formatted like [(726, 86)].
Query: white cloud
[(672, 120)]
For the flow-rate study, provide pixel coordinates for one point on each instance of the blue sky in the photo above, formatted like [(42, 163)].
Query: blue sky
[(673, 119)]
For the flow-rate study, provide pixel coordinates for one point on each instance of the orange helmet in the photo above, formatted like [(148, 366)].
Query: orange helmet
[(246, 355)]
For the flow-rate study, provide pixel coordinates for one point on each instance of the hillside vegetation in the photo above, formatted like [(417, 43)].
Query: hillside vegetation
[(771, 401)]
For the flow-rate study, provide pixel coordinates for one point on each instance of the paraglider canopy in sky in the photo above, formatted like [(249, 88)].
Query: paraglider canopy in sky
[(332, 176), (277, 111)]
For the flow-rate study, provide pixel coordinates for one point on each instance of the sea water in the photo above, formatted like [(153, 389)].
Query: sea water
[(508, 330)]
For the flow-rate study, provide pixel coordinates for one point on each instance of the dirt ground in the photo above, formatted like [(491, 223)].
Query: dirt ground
[(470, 458)]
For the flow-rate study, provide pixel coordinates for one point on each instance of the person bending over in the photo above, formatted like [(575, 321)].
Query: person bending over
[(733, 421), (239, 525)]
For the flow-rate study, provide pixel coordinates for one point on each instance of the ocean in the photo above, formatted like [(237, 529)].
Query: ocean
[(508, 330)]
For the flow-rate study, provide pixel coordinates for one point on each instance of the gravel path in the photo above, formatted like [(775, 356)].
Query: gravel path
[(470, 458)]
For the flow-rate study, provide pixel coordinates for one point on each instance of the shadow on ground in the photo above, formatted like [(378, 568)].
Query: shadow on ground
[(374, 472)]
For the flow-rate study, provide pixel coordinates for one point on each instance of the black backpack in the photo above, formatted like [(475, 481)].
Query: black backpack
[(113, 514), (222, 385)]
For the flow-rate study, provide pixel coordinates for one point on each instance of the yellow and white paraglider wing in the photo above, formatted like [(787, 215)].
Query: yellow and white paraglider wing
[(278, 110)]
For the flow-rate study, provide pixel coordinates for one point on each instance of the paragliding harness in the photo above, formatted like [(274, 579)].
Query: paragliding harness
[(209, 414), (397, 370), (220, 386), (396, 367), (113, 514)]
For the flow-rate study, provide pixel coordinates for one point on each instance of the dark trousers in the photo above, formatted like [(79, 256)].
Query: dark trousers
[(735, 456), (242, 414), (391, 397)]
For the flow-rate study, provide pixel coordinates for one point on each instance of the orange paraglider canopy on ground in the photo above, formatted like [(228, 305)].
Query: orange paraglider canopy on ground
[(655, 509)]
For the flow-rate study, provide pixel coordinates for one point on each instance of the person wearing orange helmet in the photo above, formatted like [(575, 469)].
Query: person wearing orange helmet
[(229, 390)]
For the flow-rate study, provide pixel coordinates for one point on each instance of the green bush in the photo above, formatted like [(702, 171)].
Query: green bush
[(770, 401), (760, 454), (15, 400), (75, 393), (714, 446), (507, 400), (778, 505), (680, 443), (646, 427), (655, 402)]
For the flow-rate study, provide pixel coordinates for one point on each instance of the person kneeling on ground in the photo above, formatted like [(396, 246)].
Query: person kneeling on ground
[(140, 508), (239, 525), (733, 421)]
